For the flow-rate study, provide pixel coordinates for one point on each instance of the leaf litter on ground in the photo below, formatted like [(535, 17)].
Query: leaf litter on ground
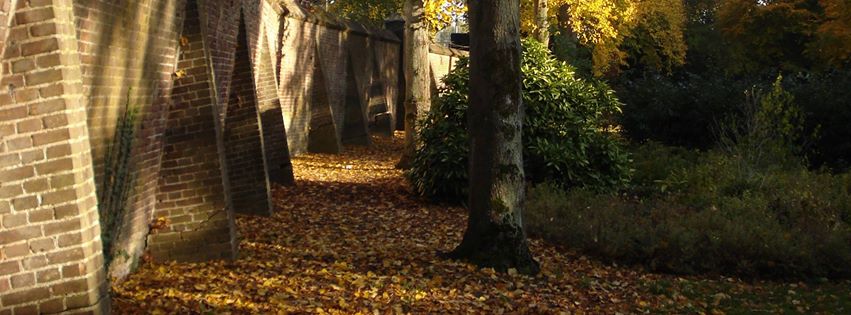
[(351, 238)]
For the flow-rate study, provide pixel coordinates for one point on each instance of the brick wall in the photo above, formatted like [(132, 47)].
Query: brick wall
[(331, 72), (50, 247), (246, 163), (127, 54), (191, 191), (261, 29)]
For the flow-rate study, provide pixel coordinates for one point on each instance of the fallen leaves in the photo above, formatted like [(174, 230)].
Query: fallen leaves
[(350, 239)]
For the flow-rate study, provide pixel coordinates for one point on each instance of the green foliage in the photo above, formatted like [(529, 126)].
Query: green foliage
[(566, 133), (707, 212), (681, 110), (118, 179), (769, 130), (825, 98), (440, 165)]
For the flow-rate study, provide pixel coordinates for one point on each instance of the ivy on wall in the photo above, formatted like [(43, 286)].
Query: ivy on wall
[(118, 179)]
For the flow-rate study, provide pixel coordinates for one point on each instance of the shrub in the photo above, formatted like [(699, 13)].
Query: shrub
[(566, 132), (825, 98), (716, 214), (680, 110), (769, 130), (683, 109)]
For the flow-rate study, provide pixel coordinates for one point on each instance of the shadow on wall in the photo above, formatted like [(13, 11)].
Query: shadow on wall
[(127, 54)]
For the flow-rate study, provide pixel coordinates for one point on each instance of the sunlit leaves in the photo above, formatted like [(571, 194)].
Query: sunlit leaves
[(439, 13), (653, 29)]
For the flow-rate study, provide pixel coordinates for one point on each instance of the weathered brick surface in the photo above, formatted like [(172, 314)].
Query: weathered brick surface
[(46, 167), (246, 163), (191, 190), (127, 53), (261, 30)]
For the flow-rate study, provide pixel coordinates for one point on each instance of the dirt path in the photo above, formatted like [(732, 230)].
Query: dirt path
[(350, 238)]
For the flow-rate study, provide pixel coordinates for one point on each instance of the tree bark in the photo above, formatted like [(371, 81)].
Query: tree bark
[(495, 236), (417, 76), (542, 25)]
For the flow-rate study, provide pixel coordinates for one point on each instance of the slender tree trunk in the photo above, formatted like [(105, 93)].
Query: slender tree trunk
[(417, 76), (542, 25), (495, 236)]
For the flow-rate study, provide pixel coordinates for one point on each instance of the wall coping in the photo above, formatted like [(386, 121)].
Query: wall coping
[(290, 9), (446, 51)]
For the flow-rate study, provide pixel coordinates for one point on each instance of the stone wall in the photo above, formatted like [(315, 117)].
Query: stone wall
[(156, 122)]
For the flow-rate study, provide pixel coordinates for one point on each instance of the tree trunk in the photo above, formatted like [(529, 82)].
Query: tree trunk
[(542, 25), (495, 236), (417, 76)]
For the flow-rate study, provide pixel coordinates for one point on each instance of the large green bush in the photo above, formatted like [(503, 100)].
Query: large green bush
[(567, 137)]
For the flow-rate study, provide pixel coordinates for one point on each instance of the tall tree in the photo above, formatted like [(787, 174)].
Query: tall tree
[(495, 236), (542, 25), (417, 75)]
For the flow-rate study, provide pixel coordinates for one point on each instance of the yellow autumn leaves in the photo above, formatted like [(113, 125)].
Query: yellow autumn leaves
[(604, 25)]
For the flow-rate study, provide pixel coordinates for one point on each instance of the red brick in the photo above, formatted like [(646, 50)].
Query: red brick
[(17, 250), (36, 185), (70, 287), (32, 156), (39, 47), (14, 220), (26, 296), (9, 267), (21, 281), (9, 160), (19, 234), (33, 16), (48, 275), (62, 181), (23, 65), (43, 29), (46, 76), (33, 263), (19, 144), (47, 107), (5, 285), (29, 125), (50, 137), (74, 270), (41, 245), (8, 129), (25, 203), (80, 301), (13, 113), (55, 121), (55, 166), (51, 306), (61, 227), (58, 197), (66, 211), (51, 91), (36, 216), (5, 207), (70, 239), (25, 310), (8, 192), (59, 151)]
